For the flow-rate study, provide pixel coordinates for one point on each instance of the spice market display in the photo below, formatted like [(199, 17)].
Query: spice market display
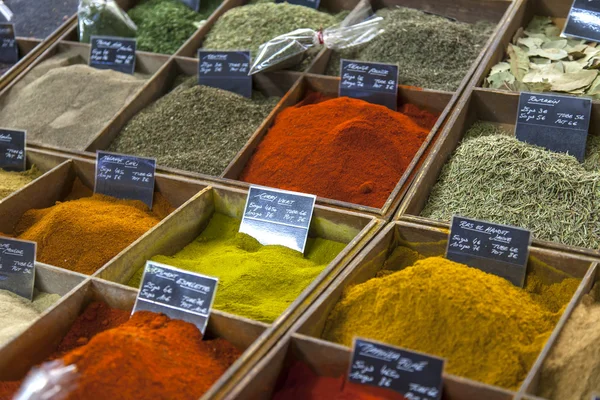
[(255, 199)]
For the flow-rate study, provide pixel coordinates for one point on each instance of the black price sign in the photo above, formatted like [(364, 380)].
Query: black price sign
[(306, 3), (17, 266), (113, 53), (125, 177), (372, 82), (176, 293), (557, 123), (583, 20), (498, 249), (9, 51), (12, 150), (415, 376), (274, 216), (227, 70)]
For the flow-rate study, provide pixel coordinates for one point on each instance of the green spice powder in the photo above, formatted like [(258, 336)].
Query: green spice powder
[(165, 25), (430, 51), (495, 177), (194, 128), (255, 281), (11, 181)]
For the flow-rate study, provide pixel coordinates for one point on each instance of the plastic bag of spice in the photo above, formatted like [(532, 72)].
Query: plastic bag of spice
[(287, 50), (50, 381), (103, 18)]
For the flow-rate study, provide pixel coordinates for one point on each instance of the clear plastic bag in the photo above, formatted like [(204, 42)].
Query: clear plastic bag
[(284, 51), (103, 18), (49, 381)]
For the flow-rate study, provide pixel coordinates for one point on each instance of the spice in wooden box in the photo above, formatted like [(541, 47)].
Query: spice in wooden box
[(251, 282), (194, 128), (38, 19), (431, 51), (495, 177), (11, 181), (488, 329), (341, 148), (85, 231)]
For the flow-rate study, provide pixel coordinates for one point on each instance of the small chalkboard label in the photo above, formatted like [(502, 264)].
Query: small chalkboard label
[(125, 177), (17, 266), (372, 82), (114, 53), (583, 20), (227, 70), (498, 249), (176, 293), (413, 375), (306, 3), (9, 50), (557, 123), (274, 216), (12, 150)]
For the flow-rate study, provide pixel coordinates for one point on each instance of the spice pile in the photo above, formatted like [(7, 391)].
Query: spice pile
[(430, 51), (438, 296), (341, 148), (495, 177), (38, 19), (62, 102), (245, 268), (540, 60), (11, 181), (570, 372), (17, 313), (83, 233), (194, 128)]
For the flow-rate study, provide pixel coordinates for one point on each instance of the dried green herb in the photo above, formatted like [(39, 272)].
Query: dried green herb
[(194, 128), (165, 25), (539, 60), (103, 18), (431, 51), (495, 177)]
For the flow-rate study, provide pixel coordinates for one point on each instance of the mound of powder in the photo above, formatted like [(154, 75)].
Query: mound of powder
[(64, 103), (11, 181)]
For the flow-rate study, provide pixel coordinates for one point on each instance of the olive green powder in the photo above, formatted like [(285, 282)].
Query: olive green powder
[(165, 25), (495, 177), (17, 313), (431, 51), (11, 181), (255, 281), (194, 128)]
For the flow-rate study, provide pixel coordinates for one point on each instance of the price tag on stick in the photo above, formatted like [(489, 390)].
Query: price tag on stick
[(498, 249), (125, 177), (306, 3), (557, 123), (227, 70), (17, 266), (583, 20), (12, 150), (176, 293), (414, 375), (9, 50), (372, 82), (114, 53), (274, 216)]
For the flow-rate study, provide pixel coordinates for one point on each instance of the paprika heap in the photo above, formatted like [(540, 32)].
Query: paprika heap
[(84, 232), (341, 148), (488, 329), (251, 281)]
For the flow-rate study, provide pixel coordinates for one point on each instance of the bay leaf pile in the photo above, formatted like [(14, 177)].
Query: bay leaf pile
[(430, 51), (539, 60), (495, 177)]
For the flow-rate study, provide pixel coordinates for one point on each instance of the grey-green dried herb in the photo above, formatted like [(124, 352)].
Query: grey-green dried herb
[(194, 128), (495, 177), (430, 51), (539, 60)]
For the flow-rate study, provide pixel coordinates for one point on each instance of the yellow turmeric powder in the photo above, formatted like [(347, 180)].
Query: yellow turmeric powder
[(488, 329)]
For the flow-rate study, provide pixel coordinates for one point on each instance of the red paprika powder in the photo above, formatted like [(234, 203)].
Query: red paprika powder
[(341, 148), (302, 383)]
